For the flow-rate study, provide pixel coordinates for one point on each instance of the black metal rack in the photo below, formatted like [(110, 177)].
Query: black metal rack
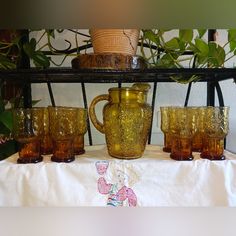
[(25, 77), (69, 75)]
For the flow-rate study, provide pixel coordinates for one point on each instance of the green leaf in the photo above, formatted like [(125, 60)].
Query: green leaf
[(34, 102), (201, 47), (6, 119), (186, 35), (182, 46), (216, 54), (185, 80), (7, 149), (6, 63), (41, 60), (232, 34), (4, 130), (172, 44), (201, 60), (162, 31), (232, 39), (201, 32), (232, 45), (168, 61), (150, 35), (201, 50), (30, 47)]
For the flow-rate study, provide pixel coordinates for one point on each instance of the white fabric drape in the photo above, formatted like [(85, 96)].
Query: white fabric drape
[(153, 180)]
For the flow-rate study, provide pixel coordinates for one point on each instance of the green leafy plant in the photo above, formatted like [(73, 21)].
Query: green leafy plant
[(38, 57), (12, 47), (42, 53), (7, 145), (187, 49)]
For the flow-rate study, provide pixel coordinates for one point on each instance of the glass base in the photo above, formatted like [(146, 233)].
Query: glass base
[(66, 159), (125, 157), (196, 149), (213, 158), (188, 158), (46, 152), (79, 152), (29, 160), (166, 149)]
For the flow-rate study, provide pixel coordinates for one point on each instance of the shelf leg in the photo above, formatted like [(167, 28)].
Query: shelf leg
[(86, 107), (153, 105)]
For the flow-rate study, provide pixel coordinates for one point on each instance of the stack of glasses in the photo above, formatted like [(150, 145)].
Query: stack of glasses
[(194, 129), (54, 130)]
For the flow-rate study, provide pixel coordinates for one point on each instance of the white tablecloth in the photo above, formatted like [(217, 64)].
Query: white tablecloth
[(153, 180)]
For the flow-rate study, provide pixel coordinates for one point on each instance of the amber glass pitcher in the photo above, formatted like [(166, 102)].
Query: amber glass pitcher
[(126, 120)]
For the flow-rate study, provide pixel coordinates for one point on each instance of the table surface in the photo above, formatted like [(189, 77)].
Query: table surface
[(96, 179)]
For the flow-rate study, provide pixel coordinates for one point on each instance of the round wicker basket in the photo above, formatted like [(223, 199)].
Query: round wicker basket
[(123, 41)]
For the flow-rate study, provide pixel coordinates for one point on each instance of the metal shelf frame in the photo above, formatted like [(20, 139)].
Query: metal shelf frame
[(26, 77), (69, 75)]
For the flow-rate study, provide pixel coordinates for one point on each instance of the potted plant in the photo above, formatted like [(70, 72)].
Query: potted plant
[(114, 49), (124, 41)]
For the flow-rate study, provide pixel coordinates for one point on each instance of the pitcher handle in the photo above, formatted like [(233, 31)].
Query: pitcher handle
[(98, 125)]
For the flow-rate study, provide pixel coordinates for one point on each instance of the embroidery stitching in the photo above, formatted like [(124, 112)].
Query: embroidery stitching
[(118, 193)]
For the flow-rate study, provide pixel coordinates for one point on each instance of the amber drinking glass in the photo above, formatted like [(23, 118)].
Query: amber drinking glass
[(165, 128), (216, 126), (181, 130), (126, 120), (197, 116), (81, 122), (46, 143), (27, 130), (63, 130)]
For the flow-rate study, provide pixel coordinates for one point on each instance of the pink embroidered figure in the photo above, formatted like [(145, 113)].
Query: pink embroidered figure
[(101, 167), (117, 193), (116, 196)]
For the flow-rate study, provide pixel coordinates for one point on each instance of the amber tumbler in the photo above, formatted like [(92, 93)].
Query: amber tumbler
[(197, 115), (216, 126), (63, 130), (165, 128), (46, 143), (181, 130), (27, 131), (81, 122)]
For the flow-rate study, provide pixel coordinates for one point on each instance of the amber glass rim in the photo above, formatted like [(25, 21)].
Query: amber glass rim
[(124, 89)]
